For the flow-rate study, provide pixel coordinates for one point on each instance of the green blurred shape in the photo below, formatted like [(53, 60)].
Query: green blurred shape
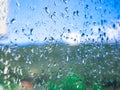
[(97, 86), (71, 82), (53, 86)]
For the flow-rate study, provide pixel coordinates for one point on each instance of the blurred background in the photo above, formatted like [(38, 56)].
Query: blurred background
[(59, 44)]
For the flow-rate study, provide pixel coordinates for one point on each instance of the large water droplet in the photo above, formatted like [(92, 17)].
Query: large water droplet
[(13, 21), (47, 10), (6, 70), (66, 1)]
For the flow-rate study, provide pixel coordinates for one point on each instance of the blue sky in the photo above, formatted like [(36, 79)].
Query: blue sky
[(35, 21)]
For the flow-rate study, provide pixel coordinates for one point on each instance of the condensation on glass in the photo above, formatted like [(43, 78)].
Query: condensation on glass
[(59, 45)]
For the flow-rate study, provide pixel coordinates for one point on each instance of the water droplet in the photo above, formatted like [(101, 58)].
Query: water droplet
[(101, 1), (66, 9), (83, 34), (76, 13), (17, 4), (13, 21), (47, 10), (20, 72), (83, 61), (6, 70), (55, 3), (6, 62), (63, 15), (86, 6), (31, 30), (66, 1), (114, 26), (67, 58), (17, 57)]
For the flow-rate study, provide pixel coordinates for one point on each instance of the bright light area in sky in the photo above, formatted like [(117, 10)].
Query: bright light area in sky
[(3, 16), (109, 34), (113, 33), (71, 38), (38, 21)]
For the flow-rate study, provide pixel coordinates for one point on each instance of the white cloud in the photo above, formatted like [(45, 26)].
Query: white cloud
[(99, 33), (107, 33), (72, 38)]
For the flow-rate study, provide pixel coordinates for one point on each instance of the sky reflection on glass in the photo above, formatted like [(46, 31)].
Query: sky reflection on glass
[(38, 21)]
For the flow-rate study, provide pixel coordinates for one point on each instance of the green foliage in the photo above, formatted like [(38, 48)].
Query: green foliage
[(97, 86), (71, 82), (87, 60)]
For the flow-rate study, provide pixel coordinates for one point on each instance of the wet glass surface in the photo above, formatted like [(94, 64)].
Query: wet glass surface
[(60, 45)]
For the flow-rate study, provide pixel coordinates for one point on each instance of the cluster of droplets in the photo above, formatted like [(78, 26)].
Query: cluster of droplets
[(86, 53), (55, 61), (83, 25), (10, 72)]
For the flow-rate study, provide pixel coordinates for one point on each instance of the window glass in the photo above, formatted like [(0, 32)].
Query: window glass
[(59, 44)]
